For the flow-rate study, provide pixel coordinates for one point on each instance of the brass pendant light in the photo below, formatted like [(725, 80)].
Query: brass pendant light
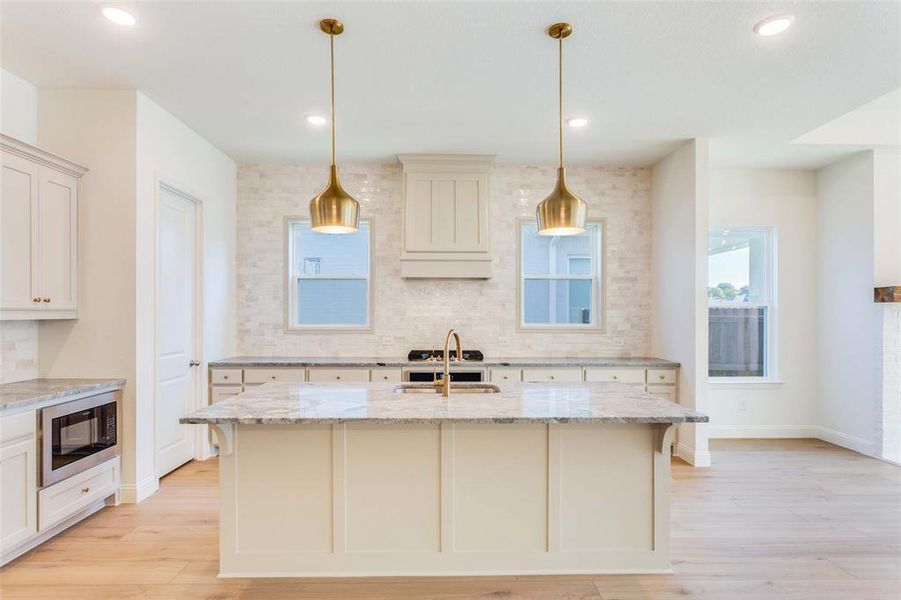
[(333, 210), (562, 212)]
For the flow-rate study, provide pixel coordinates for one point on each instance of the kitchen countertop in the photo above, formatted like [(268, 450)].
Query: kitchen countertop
[(364, 361), (330, 403), (46, 392)]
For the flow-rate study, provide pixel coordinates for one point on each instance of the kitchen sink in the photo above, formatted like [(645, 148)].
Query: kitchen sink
[(455, 388)]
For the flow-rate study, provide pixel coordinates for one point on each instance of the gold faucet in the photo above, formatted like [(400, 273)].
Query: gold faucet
[(445, 383)]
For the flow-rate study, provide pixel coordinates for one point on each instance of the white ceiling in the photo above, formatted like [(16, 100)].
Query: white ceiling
[(473, 77)]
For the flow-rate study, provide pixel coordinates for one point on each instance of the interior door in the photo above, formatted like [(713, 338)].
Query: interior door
[(176, 328)]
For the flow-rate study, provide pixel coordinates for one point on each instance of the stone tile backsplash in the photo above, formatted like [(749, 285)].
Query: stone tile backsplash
[(412, 313), (18, 350)]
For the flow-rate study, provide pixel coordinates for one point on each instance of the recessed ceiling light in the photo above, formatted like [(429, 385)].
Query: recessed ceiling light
[(119, 16), (316, 120), (577, 121), (773, 25)]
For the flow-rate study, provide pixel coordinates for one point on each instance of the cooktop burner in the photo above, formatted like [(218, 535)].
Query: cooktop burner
[(417, 355)]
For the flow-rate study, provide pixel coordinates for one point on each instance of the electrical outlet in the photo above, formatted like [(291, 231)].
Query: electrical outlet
[(503, 341), (387, 341), (741, 405)]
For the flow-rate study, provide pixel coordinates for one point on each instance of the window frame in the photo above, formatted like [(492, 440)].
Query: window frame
[(598, 287), (290, 278), (771, 283)]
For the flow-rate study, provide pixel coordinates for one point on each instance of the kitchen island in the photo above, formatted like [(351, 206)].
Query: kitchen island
[(337, 479)]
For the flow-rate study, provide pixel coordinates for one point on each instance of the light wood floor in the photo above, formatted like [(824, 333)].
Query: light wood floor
[(769, 520)]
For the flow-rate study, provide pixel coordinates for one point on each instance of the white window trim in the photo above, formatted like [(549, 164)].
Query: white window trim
[(598, 288), (771, 379), (291, 289)]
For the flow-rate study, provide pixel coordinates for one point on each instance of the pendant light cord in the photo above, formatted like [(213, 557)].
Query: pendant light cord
[(560, 95), (331, 38)]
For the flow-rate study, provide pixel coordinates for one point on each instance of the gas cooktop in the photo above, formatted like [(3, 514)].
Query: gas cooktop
[(422, 355)]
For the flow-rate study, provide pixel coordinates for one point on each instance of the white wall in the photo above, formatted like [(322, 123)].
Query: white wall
[(679, 191), (887, 216), (168, 150), (96, 128), (18, 108), (18, 118), (849, 410), (786, 200)]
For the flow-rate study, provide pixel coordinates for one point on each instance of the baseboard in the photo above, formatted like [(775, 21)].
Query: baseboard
[(847, 441), (762, 432), (130, 493), (692, 457)]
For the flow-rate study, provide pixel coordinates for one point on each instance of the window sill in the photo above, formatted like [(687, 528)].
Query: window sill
[(739, 383), (327, 329)]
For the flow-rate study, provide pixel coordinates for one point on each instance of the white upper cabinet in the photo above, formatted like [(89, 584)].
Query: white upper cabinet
[(38, 248), (446, 216)]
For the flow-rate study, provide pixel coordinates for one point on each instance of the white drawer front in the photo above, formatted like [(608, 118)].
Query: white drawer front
[(562, 375), (502, 374), (230, 376), (221, 392), (387, 375), (253, 376), (351, 375), (631, 376), (664, 391), (63, 499), (661, 376), (18, 427)]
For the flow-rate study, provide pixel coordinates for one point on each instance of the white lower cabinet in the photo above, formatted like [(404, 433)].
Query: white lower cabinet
[(629, 376), (349, 375), (387, 374), (18, 488), (664, 391), (257, 376), (221, 392), (502, 374), (64, 499), (558, 375)]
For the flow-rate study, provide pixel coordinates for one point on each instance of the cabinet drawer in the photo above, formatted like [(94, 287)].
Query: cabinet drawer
[(663, 391), (326, 375), (221, 392), (226, 376), (253, 376), (64, 499), (18, 427), (564, 375), (661, 376), (630, 376), (499, 375), (389, 375)]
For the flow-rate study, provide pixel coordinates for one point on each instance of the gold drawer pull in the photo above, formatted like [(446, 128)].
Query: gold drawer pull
[(273, 376), (35, 299), (663, 377), (337, 377), (552, 376), (85, 490), (225, 377), (46, 299), (616, 376)]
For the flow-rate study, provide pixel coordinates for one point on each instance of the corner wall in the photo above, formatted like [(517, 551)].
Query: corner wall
[(679, 196)]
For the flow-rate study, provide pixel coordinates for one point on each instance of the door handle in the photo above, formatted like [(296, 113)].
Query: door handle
[(194, 363)]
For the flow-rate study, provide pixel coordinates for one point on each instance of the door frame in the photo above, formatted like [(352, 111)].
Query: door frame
[(172, 185)]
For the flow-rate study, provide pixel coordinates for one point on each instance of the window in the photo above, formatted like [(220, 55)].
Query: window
[(560, 279), (740, 300), (328, 278)]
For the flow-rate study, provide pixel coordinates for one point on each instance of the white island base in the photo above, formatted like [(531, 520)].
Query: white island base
[(363, 499)]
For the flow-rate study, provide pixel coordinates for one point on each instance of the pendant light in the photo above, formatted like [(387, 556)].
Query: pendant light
[(333, 210), (562, 212)]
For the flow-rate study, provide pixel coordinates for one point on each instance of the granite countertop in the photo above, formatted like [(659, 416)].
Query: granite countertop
[(369, 361), (46, 392), (329, 403)]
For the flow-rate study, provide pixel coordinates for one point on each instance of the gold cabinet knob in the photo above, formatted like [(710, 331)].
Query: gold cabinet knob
[(35, 299), (663, 377), (85, 490), (552, 376), (273, 376), (46, 299), (337, 377), (225, 377), (616, 376)]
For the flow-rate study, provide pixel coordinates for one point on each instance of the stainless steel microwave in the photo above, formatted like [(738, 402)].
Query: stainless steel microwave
[(78, 435)]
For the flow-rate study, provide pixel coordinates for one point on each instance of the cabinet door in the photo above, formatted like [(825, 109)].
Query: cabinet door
[(18, 233), (18, 493), (446, 212), (57, 223)]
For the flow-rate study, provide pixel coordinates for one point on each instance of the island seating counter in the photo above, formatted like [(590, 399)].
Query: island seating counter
[(339, 479)]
